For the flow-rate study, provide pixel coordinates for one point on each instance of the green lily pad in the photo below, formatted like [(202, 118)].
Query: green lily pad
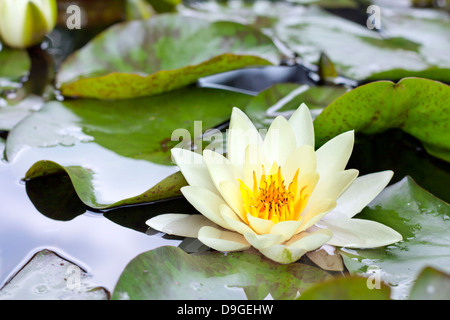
[(362, 54), (141, 128), (14, 65), (12, 112), (166, 52), (418, 106), (170, 273), (431, 284), (118, 152), (82, 180), (357, 52), (347, 288), (422, 220), (47, 276)]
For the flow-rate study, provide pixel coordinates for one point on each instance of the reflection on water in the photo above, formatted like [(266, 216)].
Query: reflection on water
[(99, 246)]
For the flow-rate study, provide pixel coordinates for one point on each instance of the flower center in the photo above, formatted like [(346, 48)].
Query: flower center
[(271, 199)]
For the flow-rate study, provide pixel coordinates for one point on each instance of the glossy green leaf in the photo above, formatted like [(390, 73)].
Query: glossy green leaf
[(118, 152), (166, 52), (170, 273), (48, 276), (347, 288), (12, 111), (420, 107), (14, 65), (84, 185), (161, 6), (357, 52), (422, 220), (141, 128), (431, 284)]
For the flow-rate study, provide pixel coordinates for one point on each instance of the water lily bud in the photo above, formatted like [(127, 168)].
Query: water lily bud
[(24, 23)]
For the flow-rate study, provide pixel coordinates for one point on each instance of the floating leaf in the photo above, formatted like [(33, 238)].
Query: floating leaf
[(12, 112), (49, 277), (166, 52), (14, 65), (346, 288), (422, 220), (361, 54), (139, 128), (357, 52), (118, 152), (83, 182), (420, 107), (431, 284), (170, 273)]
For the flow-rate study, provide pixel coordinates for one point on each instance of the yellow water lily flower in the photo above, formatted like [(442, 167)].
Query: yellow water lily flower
[(24, 23), (277, 194)]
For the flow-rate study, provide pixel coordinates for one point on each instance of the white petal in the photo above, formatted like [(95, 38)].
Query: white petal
[(240, 134), (361, 192), (185, 225), (254, 160), (302, 125), (261, 241), (222, 240), (310, 240), (359, 233), (314, 213), (206, 202), (302, 158), (220, 168), (286, 228), (334, 154), (232, 195), (279, 141), (282, 254), (295, 248), (261, 226), (308, 180), (193, 169), (334, 185), (232, 220)]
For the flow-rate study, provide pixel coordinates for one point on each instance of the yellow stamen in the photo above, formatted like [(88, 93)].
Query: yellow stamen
[(270, 199)]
